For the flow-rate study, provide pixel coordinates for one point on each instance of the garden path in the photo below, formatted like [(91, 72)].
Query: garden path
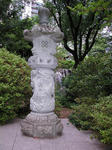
[(11, 138)]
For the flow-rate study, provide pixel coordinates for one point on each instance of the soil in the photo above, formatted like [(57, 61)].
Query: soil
[(65, 112)]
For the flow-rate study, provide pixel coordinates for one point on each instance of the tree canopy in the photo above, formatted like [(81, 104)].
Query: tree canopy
[(80, 20), (12, 27)]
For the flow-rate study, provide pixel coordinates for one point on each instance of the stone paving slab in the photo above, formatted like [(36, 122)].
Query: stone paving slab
[(8, 135), (11, 138)]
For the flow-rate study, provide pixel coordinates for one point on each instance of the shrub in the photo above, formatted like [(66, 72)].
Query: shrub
[(65, 60), (15, 90), (96, 117), (60, 97), (92, 78), (102, 118), (81, 117)]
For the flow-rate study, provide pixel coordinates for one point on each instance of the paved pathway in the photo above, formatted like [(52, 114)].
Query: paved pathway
[(11, 138)]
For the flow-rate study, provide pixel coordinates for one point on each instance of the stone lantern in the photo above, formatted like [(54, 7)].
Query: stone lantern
[(42, 121)]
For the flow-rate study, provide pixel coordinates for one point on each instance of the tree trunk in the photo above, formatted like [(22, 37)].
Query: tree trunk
[(76, 65)]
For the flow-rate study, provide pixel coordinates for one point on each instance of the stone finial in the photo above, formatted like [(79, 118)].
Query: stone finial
[(43, 15)]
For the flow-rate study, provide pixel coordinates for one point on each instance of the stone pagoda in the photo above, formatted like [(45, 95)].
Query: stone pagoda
[(42, 121)]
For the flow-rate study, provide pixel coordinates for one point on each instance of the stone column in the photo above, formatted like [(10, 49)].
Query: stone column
[(42, 121)]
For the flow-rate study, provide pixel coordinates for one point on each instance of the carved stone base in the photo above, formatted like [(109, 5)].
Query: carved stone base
[(41, 125)]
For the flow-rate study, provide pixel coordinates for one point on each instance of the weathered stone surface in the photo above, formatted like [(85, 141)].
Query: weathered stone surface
[(42, 122), (43, 62), (44, 15), (42, 125), (42, 82)]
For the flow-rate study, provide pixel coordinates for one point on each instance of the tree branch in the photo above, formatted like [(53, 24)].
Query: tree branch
[(87, 39), (80, 19), (92, 43), (66, 46), (80, 45), (55, 18), (94, 39), (73, 31), (72, 26)]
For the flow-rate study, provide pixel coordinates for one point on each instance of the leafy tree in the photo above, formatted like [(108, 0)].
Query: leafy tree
[(108, 36), (4, 6), (12, 27), (80, 20), (99, 46)]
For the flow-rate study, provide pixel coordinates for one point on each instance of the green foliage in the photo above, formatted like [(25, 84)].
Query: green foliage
[(88, 91), (102, 118), (91, 6), (92, 78), (80, 21), (12, 27), (96, 117), (81, 117), (60, 97), (4, 7), (15, 90), (12, 36), (65, 60), (65, 64), (99, 46)]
